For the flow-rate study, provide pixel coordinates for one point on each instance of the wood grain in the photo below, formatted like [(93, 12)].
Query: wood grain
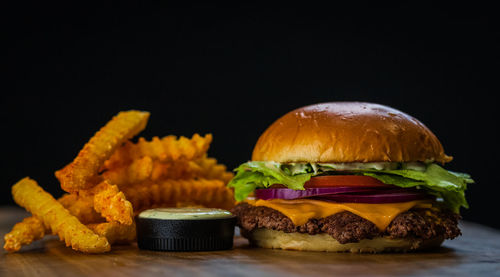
[(476, 253)]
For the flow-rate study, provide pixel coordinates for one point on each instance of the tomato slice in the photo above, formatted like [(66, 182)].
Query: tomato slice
[(344, 181)]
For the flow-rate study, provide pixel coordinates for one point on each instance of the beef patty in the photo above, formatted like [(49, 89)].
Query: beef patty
[(347, 227)]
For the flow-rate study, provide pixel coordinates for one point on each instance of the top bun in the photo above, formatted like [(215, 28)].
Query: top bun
[(339, 132)]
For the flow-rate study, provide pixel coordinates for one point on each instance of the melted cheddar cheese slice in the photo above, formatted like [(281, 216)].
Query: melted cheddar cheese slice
[(301, 210)]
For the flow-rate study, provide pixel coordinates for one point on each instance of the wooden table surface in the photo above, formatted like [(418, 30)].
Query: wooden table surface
[(476, 253)]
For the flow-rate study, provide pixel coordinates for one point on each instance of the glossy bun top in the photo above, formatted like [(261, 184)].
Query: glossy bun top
[(348, 132)]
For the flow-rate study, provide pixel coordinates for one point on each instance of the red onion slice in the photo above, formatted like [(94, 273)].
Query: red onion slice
[(284, 193), (345, 194)]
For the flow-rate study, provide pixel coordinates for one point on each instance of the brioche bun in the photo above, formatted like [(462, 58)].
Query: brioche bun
[(267, 238), (340, 132)]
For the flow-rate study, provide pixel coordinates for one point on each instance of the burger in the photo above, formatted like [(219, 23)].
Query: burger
[(348, 177)]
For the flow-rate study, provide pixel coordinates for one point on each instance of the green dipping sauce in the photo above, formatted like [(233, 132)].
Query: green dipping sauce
[(185, 213)]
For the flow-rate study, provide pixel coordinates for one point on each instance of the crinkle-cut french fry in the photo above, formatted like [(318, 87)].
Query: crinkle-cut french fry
[(166, 149), (205, 168), (111, 203), (182, 169), (81, 206), (24, 233), (28, 194), (138, 171), (83, 209), (208, 193), (171, 148), (85, 166), (67, 199), (32, 228), (188, 204), (210, 169), (115, 232)]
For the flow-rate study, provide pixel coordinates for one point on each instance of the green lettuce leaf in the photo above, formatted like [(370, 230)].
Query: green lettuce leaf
[(252, 175), (448, 186)]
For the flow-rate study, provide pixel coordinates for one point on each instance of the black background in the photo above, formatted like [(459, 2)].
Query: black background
[(233, 71)]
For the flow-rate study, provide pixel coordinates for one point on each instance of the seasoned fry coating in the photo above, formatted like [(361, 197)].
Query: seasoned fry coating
[(83, 209), (23, 233), (111, 203), (210, 169), (169, 148), (28, 194), (115, 232), (167, 193), (67, 199), (174, 170), (32, 228), (138, 171), (100, 147), (204, 168)]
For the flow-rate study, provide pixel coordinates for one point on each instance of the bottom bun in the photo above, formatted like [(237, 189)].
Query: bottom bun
[(267, 238)]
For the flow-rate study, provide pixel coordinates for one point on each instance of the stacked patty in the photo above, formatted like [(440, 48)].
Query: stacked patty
[(347, 227)]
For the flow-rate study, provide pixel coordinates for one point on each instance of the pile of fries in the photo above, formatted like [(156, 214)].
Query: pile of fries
[(113, 179)]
